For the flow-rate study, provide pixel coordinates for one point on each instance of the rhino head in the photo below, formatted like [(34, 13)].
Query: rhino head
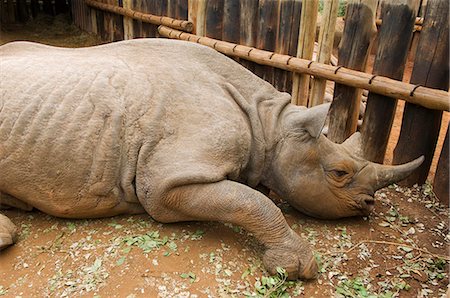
[(321, 178)]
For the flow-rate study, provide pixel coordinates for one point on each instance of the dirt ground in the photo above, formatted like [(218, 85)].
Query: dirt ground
[(401, 250)]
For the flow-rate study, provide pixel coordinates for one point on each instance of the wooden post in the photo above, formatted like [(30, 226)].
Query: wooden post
[(283, 42), (34, 8), (201, 18), (214, 18), (22, 11), (127, 21), (61, 6), (11, 12), (420, 126), (47, 7), (359, 33), (182, 9), (192, 14), (231, 21), (248, 27), (393, 45), (267, 33), (305, 49), (293, 40), (441, 177), (325, 49)]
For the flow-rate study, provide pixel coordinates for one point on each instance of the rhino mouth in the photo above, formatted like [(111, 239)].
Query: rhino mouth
[(366, 204)]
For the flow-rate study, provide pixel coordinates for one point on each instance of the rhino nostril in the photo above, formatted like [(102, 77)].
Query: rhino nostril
[(369, 202)]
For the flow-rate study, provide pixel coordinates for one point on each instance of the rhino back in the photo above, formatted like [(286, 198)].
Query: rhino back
[(72, 121)]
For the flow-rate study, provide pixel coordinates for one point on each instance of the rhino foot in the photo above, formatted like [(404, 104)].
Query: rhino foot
[(8, 232), (295, 256)]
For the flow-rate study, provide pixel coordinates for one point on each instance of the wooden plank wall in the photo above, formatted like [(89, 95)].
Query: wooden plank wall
[(273, 25), (267, 24)]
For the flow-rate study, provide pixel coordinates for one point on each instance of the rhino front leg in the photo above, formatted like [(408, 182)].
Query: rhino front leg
[(8, 232), (228, 201)]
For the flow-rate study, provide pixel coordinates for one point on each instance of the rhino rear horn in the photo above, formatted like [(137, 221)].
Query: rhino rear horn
[(386, 175), (313, 119), (353, 144)]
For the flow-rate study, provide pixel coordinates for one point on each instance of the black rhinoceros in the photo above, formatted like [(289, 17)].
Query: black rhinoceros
[(176, 130)]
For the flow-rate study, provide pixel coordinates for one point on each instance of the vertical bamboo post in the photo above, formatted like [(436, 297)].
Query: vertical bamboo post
[(393, 44), (192, 14), (305, 49), (325, 49), (420, 126), (441, 177), (200, 24), (354, 49), (127, 21)]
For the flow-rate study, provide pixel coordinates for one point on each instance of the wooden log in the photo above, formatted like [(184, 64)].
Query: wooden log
[(427, 97), (231, 21), (359, 32), (325, 48), (305, 49), (214, 18), (266, 34), (441, 177), (420, 126), (394, 39), (143, 17)]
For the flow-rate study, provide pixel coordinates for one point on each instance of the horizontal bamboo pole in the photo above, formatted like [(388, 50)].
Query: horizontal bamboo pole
[(144, 17), (416, 94)]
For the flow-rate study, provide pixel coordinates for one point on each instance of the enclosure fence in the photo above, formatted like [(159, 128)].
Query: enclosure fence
[(290, 44)]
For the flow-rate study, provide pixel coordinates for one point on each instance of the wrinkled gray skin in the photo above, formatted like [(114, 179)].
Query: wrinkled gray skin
[(176, 130)]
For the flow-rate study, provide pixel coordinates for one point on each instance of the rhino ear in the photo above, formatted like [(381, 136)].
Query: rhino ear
[(313, 119), (353, 144)]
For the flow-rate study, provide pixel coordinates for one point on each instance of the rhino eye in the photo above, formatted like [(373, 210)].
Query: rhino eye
[(339, 173)]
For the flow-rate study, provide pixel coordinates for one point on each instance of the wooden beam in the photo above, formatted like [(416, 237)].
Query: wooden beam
[(144, 17), (420, 126), (394, 39), (427, 97)]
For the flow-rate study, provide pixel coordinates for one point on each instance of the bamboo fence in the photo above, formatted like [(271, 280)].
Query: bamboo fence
[(144, 17), (423, 96)]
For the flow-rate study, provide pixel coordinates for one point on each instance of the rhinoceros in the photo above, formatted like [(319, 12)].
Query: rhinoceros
[(179, 131)]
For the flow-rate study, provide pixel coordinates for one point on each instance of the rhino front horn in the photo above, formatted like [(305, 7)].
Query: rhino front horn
[(386, 175)]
